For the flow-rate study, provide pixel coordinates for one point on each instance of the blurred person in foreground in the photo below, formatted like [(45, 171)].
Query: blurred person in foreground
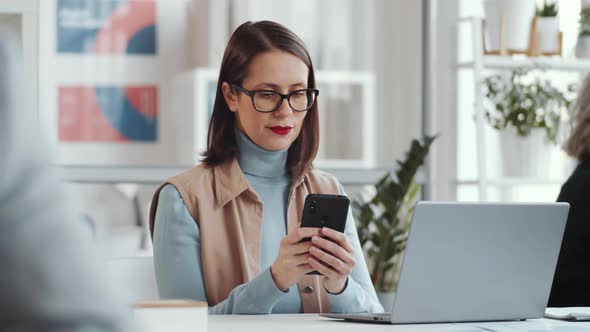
[(571, 284), (50, 279)]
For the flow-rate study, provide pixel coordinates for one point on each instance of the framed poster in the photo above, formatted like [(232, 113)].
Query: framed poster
[(106, 26), (108, 113), (111, 86)]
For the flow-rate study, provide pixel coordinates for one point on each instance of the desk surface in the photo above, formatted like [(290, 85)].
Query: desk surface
[(312, 323)]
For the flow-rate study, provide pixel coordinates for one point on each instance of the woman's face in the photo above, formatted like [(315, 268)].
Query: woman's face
[(277, 71)]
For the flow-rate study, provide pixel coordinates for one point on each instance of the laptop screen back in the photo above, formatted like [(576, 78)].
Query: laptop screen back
[(478, 262)]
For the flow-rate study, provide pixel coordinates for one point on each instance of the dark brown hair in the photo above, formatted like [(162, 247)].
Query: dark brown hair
[(578, 144), (249, 40)]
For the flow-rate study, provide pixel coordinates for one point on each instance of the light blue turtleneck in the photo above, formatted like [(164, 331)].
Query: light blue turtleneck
[(177, 246)]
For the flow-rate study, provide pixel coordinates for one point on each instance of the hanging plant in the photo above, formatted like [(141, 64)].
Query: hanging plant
[(523, 106)]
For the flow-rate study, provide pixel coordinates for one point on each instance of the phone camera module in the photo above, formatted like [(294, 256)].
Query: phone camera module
[(313, 207)]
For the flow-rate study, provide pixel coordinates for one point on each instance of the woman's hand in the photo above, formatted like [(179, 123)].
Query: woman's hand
[(292, 262), (334, 259)]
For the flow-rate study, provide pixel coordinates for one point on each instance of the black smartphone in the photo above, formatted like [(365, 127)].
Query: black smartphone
[(321, 210)]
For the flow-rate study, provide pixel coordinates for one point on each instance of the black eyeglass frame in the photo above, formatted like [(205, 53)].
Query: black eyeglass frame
[(251, 93)]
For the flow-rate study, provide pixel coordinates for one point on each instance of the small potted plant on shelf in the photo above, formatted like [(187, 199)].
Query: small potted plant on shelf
[(548, 27), (522, 107), (383, 220), (583, 43)]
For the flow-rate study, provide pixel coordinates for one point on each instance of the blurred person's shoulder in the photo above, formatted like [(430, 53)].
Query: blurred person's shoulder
[(577, 186)]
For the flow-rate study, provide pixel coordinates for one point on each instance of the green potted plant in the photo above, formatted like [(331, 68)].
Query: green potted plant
[(383, 219), (548, 27), (548, 9), (524, 107)]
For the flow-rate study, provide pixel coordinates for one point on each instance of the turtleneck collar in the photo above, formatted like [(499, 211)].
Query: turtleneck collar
[(258, 161)]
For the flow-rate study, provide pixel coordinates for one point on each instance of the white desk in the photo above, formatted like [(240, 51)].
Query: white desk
[(172, 320), (312, 323)]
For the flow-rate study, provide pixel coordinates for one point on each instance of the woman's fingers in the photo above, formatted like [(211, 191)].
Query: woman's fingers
[(338, 237), (334, 249), (300, 248), (301, 233), (323, 269), (300, 259), (330, 260), (333, 258)]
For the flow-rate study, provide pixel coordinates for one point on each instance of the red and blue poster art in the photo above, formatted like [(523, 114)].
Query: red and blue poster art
[(108, 113), (106, 26)]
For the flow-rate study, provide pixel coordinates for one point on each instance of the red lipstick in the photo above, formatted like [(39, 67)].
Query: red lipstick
[(279, 130)]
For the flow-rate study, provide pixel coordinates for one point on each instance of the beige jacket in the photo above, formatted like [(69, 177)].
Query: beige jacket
[(229, 214)]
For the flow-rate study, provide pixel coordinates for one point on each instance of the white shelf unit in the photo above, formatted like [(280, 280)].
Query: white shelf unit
[(479, 63), (156, 175), (505, 62), (349, 172)]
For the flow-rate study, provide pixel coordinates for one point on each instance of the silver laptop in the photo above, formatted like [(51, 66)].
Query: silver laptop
[(476, 262)]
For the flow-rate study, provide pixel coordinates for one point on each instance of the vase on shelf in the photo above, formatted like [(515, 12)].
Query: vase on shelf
[(548, 29), (525, 157), (583, 46), (517, 16)]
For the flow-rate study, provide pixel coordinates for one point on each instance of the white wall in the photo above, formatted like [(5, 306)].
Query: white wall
[(443, 103), (382, 36), (398, 63)]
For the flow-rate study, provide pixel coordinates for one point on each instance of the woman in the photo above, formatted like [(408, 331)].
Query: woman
[(571, 284), (227, 231)]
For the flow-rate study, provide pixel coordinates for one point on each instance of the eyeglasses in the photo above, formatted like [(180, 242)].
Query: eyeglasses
[(267, 101)]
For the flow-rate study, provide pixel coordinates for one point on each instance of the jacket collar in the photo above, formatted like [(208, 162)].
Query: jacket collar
[(230, 182)]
